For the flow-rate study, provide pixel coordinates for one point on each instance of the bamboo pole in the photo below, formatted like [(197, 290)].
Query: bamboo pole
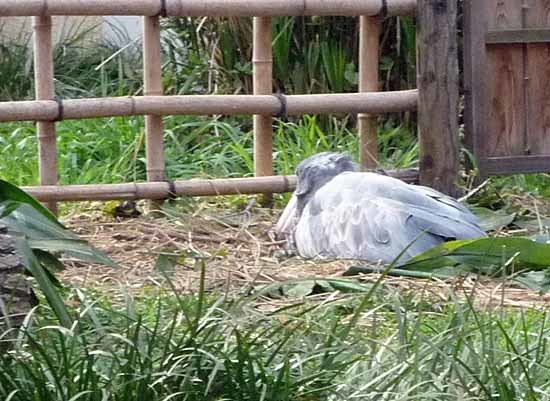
[(152, 78), (372, 103), (200, 8), (161, 190), (369, 36), (262, 61), (45, 90)]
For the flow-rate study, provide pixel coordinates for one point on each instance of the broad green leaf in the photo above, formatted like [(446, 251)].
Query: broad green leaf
[(304, 288), (490, 220), (346, 286), (51, 265), (26, 220), (483, 252), (299, 290), (9, 192), (77, 249), (535, 280), (542, 224), (44, 282), (49, 261), (166, 264), (441, 274), (43, 234)]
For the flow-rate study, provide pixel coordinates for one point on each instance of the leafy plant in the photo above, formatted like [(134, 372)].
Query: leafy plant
[(335, 66), (113, 150), (40, 239)]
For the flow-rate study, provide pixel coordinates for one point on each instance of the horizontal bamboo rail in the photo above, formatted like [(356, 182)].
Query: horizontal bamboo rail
[(164, 190), (210, 8), (71, 109)]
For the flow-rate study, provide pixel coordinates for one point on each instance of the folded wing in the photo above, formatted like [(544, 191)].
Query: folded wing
[(371, 217)]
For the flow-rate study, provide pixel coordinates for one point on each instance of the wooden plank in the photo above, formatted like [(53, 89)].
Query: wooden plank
[(438, 94), (505, 64), (475, 82), (518, 36), (517, 165), (538, 83)]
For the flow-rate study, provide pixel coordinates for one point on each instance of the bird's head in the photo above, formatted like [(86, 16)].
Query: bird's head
[(316, 171)]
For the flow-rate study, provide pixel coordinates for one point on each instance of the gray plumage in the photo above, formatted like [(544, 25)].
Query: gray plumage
[(339, 213)]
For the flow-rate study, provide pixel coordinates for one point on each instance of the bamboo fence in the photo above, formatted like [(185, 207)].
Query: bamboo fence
[(264, 105), (206, 8)]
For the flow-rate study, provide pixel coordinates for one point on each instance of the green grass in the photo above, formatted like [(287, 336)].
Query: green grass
[(163, 346), (112, 150)]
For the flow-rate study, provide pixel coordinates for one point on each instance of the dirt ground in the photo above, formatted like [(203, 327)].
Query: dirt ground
[(239, 254)]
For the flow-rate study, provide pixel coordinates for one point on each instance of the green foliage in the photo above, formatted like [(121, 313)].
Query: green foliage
[(15, 74), (523, 261), (83, 68), (378, 346), (485, 252), (113, 150), (40, 239), (311, 54)]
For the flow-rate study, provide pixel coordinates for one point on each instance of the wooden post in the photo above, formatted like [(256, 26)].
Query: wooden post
[(369, 34), (262, 61), (438, 94), (45, 90)]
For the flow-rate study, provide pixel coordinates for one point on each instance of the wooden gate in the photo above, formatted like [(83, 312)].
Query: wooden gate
[(507, 85)]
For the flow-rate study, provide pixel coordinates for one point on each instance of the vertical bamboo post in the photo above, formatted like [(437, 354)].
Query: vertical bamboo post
[(152, 83), (45, 90), (262, 61), (438, 94), (369, 39)]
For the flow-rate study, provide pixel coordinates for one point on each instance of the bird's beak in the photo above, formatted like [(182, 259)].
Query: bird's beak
[(287, 221)]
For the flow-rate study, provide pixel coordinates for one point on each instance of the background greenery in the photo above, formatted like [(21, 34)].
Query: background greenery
[(312, 55)]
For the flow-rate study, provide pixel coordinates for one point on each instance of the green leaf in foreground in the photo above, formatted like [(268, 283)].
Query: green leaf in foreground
[(304, 288), (40, 238), (166, 264), (24, 221), (44, 281), (10, 193), (531, 261), (483, 252), (490, 220)]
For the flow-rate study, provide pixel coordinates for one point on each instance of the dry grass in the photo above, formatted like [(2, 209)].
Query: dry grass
[(240, 254)]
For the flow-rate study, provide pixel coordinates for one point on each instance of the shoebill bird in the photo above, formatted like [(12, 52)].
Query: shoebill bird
[(338, 212)]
